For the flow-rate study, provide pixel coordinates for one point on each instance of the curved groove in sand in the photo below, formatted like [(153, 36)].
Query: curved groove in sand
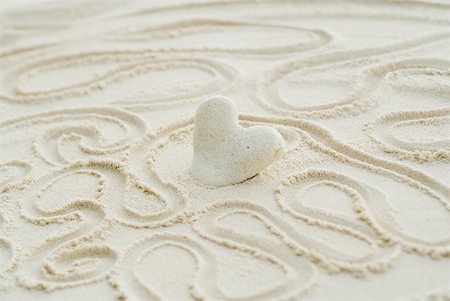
[(360, 98), (381, 130), (83, 127), (125, 279), (127, 65), (321, 140), (103, 174), (369, 204), (14, 174), (317, 252), (75, 255), (318, 37), (336, 11)]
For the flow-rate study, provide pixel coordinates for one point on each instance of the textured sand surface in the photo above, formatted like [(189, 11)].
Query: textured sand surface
[(97, 100)]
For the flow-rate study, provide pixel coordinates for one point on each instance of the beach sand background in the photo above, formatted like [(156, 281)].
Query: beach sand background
[(96, 107)]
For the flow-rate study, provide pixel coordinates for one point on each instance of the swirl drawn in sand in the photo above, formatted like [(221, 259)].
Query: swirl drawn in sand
[(75, 255), (371, 225), (107, 199), (204, 284), (84, 128), (359, 99), (14, 174), (115, 67), (382, 130), (314, 38), (7, 248)]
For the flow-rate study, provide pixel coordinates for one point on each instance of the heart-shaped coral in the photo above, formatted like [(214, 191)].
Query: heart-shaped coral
[(226, 153)]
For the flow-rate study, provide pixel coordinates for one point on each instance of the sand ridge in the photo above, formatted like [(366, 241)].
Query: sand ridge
[(96, 137)]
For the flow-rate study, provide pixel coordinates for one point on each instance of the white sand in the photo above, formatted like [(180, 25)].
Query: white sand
[(97, 100)]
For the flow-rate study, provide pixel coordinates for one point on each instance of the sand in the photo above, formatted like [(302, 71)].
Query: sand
[(97, 104)]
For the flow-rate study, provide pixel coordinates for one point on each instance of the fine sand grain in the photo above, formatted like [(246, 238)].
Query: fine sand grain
[(97, 106)]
